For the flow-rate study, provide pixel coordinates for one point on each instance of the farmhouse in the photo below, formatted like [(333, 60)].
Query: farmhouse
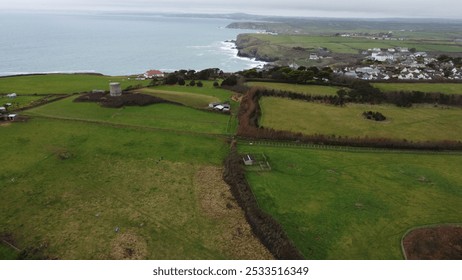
[(153, 74)]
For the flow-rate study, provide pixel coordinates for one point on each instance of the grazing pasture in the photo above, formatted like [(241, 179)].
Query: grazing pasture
[(75, 190), (62, 83), (355, 204), (160, 116), (272, 44), (418, 123)]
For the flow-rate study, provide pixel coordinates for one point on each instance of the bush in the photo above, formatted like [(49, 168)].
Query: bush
[(230, 81), (376, 116)]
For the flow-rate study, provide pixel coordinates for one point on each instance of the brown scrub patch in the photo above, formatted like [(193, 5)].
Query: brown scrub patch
[(128, 246), (434, 243), (218, 204)]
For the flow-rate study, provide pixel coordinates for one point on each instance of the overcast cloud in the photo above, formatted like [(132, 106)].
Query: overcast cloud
[(309, 8)]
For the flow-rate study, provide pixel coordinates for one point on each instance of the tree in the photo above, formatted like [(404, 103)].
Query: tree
[(230, 81), (341, 97), (199, 84), (181, 81), (171, 79), (192, 83)]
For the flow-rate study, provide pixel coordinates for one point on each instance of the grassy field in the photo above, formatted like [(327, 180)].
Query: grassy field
[(68, 186), (197, 97), (163, 116), (424, 87), (20, 101), (7, 253), (356, 205), (304, 89), (195, 100), (416, 123), (207, 89), (62, 83), (349, 45)]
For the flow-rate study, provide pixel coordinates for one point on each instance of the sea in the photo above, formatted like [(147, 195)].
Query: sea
[(116, 44)]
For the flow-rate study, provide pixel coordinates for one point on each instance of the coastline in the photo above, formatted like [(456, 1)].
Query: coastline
[(232, 47)]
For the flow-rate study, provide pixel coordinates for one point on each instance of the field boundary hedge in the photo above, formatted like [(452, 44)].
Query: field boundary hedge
[(302, 145)]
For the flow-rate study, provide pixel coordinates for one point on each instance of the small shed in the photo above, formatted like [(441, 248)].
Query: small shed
[(12, 95), (12, 117), (2, 109), (248, 159)]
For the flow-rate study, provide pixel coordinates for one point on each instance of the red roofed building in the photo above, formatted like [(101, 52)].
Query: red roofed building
[(153, 73)]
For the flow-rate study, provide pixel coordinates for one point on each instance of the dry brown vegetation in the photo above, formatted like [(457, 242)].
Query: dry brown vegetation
[(434, 243), (218, 204)]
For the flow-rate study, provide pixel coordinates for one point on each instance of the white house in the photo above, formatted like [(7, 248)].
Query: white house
[(314, 56), (153, 74), (380, 56)]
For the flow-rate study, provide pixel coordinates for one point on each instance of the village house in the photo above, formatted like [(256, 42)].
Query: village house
[(314, 56), (153, 74), (382, 56)]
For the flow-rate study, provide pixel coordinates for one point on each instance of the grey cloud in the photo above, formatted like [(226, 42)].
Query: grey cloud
[(364, 8)]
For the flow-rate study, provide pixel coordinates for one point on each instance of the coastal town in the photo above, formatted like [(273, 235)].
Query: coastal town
[(403, 64)]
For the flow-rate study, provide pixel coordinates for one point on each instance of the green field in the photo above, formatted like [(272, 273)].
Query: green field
[(197, 97), (7, 253), (67, 186), (424, 87), (207, 89), (347, 45), (62, 83), (304, 89), (20, 101), (415, 123), (162, 116), (356, 205)]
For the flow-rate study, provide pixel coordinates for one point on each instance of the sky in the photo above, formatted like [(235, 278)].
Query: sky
[(308, 8)]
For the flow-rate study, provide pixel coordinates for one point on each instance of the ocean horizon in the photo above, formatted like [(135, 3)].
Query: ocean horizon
[(116, 44)]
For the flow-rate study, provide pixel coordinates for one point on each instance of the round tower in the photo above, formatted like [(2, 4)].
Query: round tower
[(115, 89)]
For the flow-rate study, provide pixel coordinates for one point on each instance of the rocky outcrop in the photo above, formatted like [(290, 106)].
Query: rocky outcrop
[(252, 47)]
